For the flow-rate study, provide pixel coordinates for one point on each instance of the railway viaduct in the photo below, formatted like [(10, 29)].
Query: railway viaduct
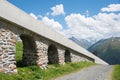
[(41, 44)]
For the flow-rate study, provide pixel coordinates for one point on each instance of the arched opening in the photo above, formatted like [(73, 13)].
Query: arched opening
[(67, 56), (52, 54), (28, 55)]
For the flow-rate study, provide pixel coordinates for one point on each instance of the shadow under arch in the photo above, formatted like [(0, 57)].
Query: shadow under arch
[(29, 55), (53, 54), (67, 56)]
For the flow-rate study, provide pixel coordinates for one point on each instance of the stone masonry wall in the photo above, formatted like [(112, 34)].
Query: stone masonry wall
[(42, 53), (35, 49), (7, 51), (61, 53), (76, 57), (29, 50)]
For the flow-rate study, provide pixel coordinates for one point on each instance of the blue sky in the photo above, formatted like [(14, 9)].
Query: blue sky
[(70, 6), (84, 19)]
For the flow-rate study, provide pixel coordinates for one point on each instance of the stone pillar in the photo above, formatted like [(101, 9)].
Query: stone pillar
[(29, 50), (7, 51), (42, 50), (61, 53), (29, 57), (1, 65)]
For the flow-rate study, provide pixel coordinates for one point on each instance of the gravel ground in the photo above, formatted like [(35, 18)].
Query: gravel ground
[(98, 72)]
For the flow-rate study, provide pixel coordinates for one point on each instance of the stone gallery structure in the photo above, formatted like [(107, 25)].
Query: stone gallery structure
[(41, 44)]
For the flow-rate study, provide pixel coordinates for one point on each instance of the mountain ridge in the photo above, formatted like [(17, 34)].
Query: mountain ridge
[(107, 49), (82, 42)]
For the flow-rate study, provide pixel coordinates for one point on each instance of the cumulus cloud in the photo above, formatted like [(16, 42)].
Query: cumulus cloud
[(111, 8), (33, 15), (100, 26), (52, 23), (58, 10), (49, 22)]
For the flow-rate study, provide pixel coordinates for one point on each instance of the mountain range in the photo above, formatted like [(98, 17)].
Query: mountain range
[(107, 49), (82, 42)]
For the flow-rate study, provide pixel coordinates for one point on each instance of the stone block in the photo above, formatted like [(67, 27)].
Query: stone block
[(12, 48), (39, 51), (5, 65), (2, 30), (1, 49), (12, 67), (6, 51), (11, 52), (2, 70), (13, 36), (39, 64), (11, 41), (0, 53), (0, 57), (4, 46), (40, 54), (0, 61), (5, 56), (3, 33)]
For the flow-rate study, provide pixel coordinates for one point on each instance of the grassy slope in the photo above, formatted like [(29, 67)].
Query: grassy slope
[(35, 73), (116, 72)]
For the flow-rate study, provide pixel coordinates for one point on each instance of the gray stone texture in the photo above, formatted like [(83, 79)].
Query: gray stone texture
[(61, 53), (75, 57), (7, 46), (42, 49)]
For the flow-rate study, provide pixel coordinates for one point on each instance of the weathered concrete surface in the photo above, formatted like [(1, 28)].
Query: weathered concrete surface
[(19, 17)]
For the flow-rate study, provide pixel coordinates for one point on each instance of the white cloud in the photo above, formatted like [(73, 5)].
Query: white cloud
[(33, 15), (47, 14), (57, 10), (102, 25), (111, 8), (52, 23), (86, 13), (40, 16)]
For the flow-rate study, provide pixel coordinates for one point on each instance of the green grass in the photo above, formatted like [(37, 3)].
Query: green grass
[(116, 72), (35, 73), (19, 51)]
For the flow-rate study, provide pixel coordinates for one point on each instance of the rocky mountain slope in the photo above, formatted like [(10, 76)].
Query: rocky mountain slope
[(82, 42)]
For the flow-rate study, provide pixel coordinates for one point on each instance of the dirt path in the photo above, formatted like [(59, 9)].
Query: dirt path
[(98, 72)]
